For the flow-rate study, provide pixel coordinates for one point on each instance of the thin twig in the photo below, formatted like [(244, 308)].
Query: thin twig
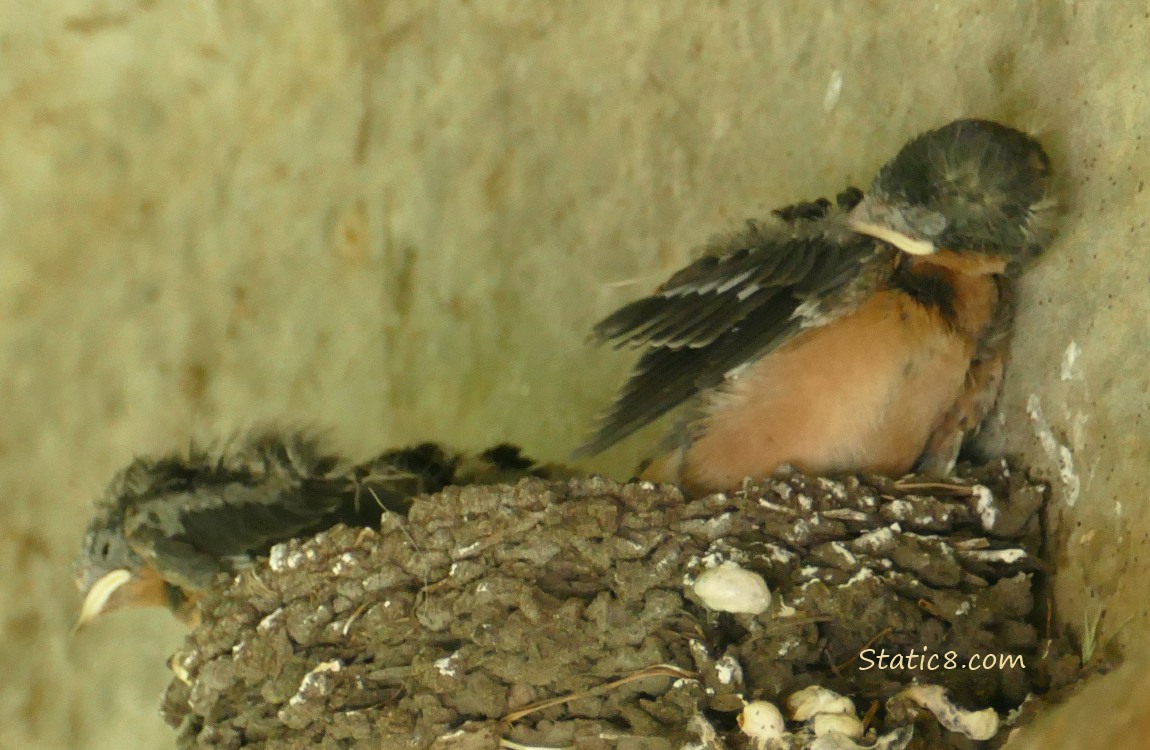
[(504, 742), (668, 670), (935, 487), (881, 634)]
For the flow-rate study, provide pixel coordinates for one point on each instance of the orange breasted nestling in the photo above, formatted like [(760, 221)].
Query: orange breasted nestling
[(867, 335)]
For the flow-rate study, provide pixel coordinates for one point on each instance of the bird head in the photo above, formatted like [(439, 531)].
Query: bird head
[(112, 576), (969, 186), (109, 573)]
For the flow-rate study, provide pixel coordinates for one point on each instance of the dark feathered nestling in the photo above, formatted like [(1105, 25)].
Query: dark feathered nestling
[(868, 334), (166, 528)]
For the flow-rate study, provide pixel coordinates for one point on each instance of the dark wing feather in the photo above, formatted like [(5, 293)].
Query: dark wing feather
[(709, 286), (212, 517), (731, 306), (191, 536)]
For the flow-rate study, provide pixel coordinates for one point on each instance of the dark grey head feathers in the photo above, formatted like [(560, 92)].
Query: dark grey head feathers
[(972, 185)]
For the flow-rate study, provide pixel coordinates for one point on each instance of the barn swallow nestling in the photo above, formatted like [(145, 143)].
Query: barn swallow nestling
[(866, 335), (167, 527)]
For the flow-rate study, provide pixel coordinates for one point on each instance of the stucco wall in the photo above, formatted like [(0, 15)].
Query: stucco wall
[(398, 220)]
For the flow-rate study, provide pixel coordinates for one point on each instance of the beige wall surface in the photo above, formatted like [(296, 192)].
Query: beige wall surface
[(398, 219)]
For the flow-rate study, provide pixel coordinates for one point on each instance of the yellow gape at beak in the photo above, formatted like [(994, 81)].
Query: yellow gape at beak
[(98, 596), (898, 239)]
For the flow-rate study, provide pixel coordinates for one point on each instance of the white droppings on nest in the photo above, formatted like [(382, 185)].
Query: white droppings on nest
[(465, 552), (276, 557), (646, 485), (862, 575), (836, 489), (963, 609), (311, 553), (914, 535), (806, 502), (181, 668), (877, 539), (238, 648), (731, 588), (710, 560), (814, 700), (708, 738), (785, 610), (896, 740), (763, 723), (719, 552), (844, 552), (809, 571), (780, 554), (775, 507), (717, 522), (728, 671), (782, 489), (984, 506), (1055, 451), (345, 561), (977, 725), (314, 681), (846, 514), (900, 509), (446, 665), (800, 532), (266, 623), (1004, 556)]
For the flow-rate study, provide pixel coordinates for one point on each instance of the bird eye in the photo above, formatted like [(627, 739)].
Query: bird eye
[(105, 549), (929, 223)]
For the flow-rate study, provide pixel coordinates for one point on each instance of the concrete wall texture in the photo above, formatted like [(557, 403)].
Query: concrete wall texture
[(398, 220)]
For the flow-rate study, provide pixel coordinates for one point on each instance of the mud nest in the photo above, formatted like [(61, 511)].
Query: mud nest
[(559, 614)]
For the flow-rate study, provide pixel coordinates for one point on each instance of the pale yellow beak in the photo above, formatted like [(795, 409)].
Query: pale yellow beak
[(98, 596), (898, 239)]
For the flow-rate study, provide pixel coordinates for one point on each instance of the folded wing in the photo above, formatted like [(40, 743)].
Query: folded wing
[(735, 303)]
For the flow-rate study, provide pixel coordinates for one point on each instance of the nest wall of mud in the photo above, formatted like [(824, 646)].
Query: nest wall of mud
[(456, 625)]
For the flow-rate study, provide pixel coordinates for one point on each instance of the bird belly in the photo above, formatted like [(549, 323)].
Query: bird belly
[(860, 394)]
